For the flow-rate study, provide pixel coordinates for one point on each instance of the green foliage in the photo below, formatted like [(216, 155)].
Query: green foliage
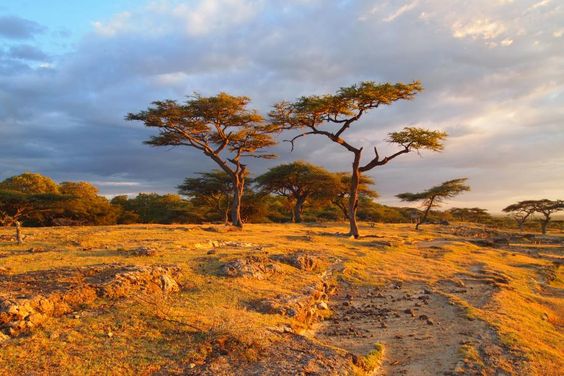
[(522, 210), (418, 139), (155, 208), (341, 199), (207, 123), (313, 115), (344, 107), (221, 127), (301, 183), (476, 215), (28, 197), (212, 190), (85, 206), (29, 182), (433, 197)]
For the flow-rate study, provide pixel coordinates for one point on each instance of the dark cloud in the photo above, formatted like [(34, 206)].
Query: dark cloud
[(494, 79), (26, 52), (13, 27)]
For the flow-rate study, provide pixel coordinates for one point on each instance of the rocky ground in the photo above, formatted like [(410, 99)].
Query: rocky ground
[(207, 301)]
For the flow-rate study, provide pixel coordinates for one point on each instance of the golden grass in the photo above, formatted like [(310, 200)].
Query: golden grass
[(147, 335)]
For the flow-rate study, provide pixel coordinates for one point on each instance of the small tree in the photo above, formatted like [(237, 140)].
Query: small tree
[(521, 211), (546, 208), (343, 109), (212, 188), (221, 127), (435, 196), (299, 182), (15, 207), (341, 199)]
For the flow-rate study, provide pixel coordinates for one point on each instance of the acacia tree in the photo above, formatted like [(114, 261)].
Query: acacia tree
[(521, 211), (221, 127), (314, 114), (212, 188), (470, 214), (300, 182), (435, 196), (546, 208), (341, 199)]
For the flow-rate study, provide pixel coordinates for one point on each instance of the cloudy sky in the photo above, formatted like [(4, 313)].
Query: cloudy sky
[(493, 73)]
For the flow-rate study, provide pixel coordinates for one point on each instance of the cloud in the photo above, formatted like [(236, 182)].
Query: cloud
[(27, 52), (493, 74), (401, 10), (13, 27)]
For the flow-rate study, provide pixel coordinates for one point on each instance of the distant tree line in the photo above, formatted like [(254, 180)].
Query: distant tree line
[(293, 192), (224, 129)]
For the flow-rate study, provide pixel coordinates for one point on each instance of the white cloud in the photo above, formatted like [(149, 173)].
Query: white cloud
[(401, 10), (117, 24), (500, 105), (478, 29)]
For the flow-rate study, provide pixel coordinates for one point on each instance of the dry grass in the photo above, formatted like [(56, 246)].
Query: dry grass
[(148, 334)]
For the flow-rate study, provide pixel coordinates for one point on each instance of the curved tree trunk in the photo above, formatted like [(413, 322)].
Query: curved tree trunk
[(353, 198), (425, 214), (19, 237), (236, 206)]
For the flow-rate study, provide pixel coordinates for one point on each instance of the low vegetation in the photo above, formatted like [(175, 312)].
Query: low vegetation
[(305, 299)]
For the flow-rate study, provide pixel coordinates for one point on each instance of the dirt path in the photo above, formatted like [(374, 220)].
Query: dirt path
[(423, 333)]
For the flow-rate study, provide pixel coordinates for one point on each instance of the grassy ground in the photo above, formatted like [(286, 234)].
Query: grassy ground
[(147, 334)]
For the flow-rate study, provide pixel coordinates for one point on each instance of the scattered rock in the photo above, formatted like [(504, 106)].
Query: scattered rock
[(303, 308), (409, 311), (300, 260), (36, 250), (61, 292), (482, 242), (148, 279), (144, 251), (212, 252), (257, 267)]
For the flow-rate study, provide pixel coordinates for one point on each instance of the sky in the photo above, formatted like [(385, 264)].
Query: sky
[(493, 73)]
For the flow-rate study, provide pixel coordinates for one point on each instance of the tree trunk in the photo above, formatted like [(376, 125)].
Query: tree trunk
[(353, 198), (226, 215), (297, 211), (520, 224), (424, 218), (238, 187), (345, 213), (544, 224), (19, 237)]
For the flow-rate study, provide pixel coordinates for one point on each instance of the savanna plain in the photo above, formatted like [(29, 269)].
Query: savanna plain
[(279, 299)]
